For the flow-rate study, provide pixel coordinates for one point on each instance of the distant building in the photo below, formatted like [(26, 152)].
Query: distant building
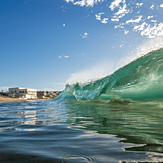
[(47, 94), (41, 94), (22, 93)]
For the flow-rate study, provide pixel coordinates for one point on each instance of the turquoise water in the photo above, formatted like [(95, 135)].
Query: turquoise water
[(81, 131), (118, 118), (139, 80)]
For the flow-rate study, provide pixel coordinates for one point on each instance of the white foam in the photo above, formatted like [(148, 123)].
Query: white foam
[(147, 46), (91, 74)]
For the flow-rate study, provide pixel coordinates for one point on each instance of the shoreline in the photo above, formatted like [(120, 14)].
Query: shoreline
[(10, 99)]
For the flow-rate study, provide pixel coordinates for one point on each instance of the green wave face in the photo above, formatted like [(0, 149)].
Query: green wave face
[(139, 80)]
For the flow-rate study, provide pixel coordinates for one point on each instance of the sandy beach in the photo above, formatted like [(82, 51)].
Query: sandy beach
[(10, 99)]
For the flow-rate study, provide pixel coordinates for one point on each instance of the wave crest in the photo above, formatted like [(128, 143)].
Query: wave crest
[(140, 79)]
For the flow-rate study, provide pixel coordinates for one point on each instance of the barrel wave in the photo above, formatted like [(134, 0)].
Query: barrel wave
[(139, 80)]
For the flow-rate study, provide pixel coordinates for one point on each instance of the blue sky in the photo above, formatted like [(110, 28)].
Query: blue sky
[(43, 43)]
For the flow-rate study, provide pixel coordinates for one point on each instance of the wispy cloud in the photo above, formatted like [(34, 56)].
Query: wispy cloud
[(127, 13), (149, 30), (115, 4), (149, 17), (121, 25), (104, 20), (152, 7), (98, 16), (69, 1), (152, 31), (63, 56), (134, 21), (140, 27), (125, 32), (154, 21), (139, 5), (114, 20), (88, 3), (66, 56), (84, 35), (141, 24), (122, 9)]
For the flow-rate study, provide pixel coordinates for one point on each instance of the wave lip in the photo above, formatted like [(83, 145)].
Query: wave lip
[(140, 79)]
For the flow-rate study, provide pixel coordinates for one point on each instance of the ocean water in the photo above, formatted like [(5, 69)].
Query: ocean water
[(117, 118)]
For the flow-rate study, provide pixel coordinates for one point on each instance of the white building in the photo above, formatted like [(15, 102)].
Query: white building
[(23, 93)]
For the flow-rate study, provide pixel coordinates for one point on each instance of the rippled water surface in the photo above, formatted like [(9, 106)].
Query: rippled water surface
[(85, 131)]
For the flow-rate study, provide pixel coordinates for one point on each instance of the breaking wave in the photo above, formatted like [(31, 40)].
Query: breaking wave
[(140, 79)]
